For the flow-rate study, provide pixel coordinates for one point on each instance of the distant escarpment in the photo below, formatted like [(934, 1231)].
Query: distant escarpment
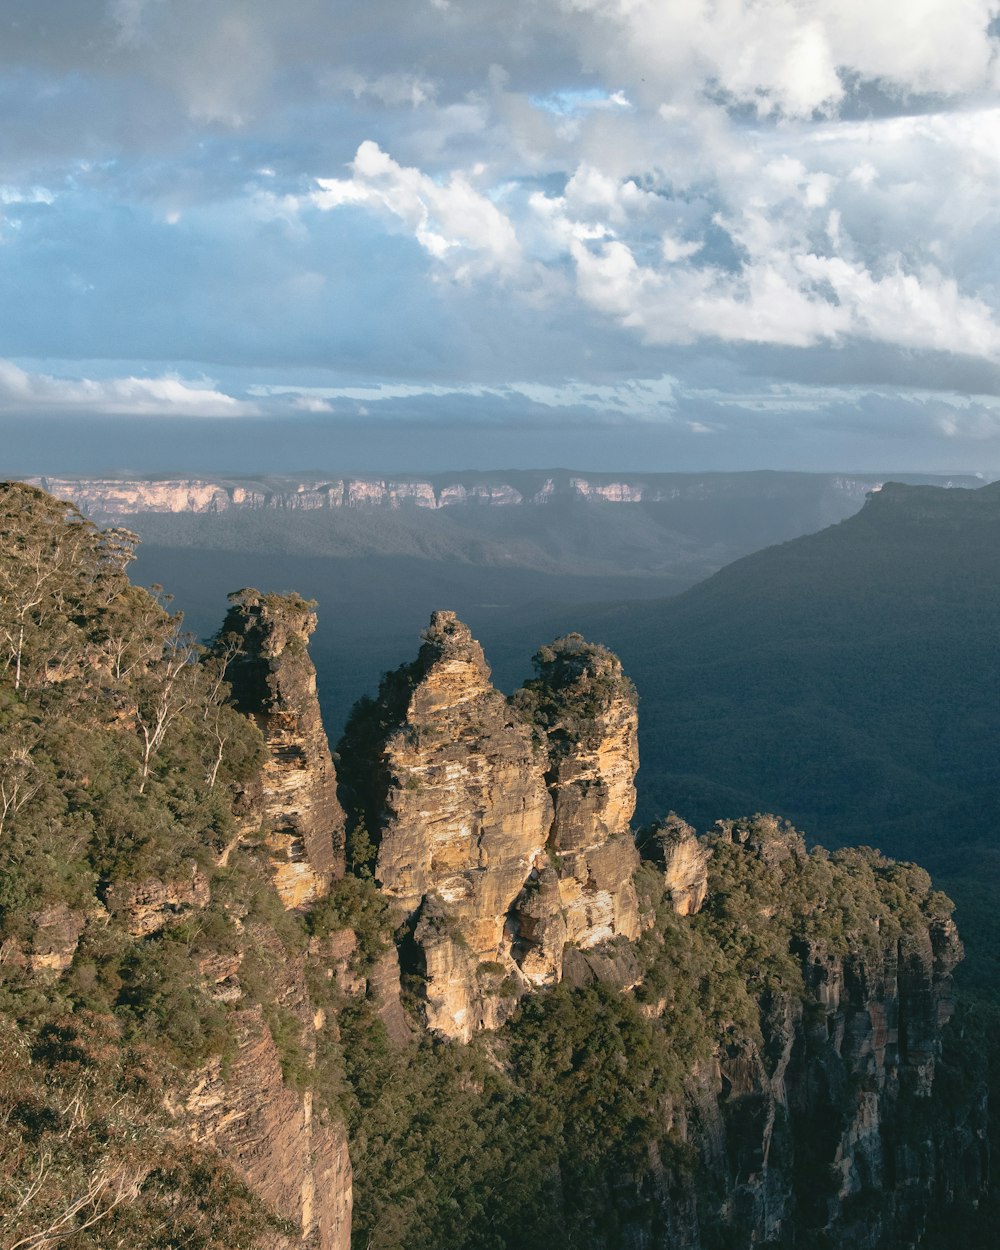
[(107, 497), (497, 1017)]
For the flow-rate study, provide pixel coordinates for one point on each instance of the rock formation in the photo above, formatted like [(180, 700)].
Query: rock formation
[(673, 844), (453, 786), (813, 1127), (295, 1160), (264, 646), (106, 498), (501, 827), (145, 907), (586, 708)]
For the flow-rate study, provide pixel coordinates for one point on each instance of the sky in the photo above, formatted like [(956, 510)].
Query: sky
[(649, 234)]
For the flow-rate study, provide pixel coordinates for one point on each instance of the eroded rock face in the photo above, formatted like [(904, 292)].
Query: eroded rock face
[(56, 934), (454, 787), (586, 708), (147, 906), (265, 643), (832, 1126), (295, 1160), (501, 825), (840, 1078), (465, 808), (673, 844)]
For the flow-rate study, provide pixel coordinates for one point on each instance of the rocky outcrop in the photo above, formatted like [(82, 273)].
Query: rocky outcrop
[(501, 826), (673, 844), (586, 708), (453, 785), (145, 907), (56, 934), (811, 1131), (264, 645)]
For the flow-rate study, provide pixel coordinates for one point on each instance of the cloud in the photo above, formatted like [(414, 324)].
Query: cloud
[(537, 208), (798, 225), (452, 221), (788, 56), (24, 392), (640, 398)]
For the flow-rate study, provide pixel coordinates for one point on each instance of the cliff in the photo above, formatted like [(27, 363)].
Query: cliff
[(585, 708), (164, 1048), (808, 1124), (105, 498), (294, 1159), (452, 787)]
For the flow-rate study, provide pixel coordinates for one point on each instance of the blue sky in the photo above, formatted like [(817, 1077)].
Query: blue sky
[(612, 233)]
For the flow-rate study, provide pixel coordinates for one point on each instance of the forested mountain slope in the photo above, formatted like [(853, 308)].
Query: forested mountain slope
[(848, 679)]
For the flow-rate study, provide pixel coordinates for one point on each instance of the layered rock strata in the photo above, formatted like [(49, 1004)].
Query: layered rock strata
[(296, 1160), (145, 907), (832, 1129), (673, 844), (501, 826), (586, 708), (263, 645), (457, 799), (105, 498)]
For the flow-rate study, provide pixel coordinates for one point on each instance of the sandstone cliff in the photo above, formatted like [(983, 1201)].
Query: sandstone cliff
[(105, 498), (263, 644), (586, 708), (295, 1159), (452, 785), (673, 844)]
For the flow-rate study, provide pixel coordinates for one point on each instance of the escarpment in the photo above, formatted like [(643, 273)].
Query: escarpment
[(818, 1106), (263, 644)]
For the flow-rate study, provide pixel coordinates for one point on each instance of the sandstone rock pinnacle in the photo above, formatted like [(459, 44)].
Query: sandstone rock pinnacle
[(501, 825), (265, 642)]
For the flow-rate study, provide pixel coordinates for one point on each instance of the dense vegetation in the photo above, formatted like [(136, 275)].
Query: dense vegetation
[(119, 761)]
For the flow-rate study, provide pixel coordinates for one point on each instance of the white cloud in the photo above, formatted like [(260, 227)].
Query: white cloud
[(451, 220), (787, 55), (21, 391), (636, 397), (631, 172)]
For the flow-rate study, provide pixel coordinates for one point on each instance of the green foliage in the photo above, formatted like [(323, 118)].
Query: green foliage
[(89, 1158), (119, 765), (361, 851), (165, 1003), (354, 903), (574, 686)]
